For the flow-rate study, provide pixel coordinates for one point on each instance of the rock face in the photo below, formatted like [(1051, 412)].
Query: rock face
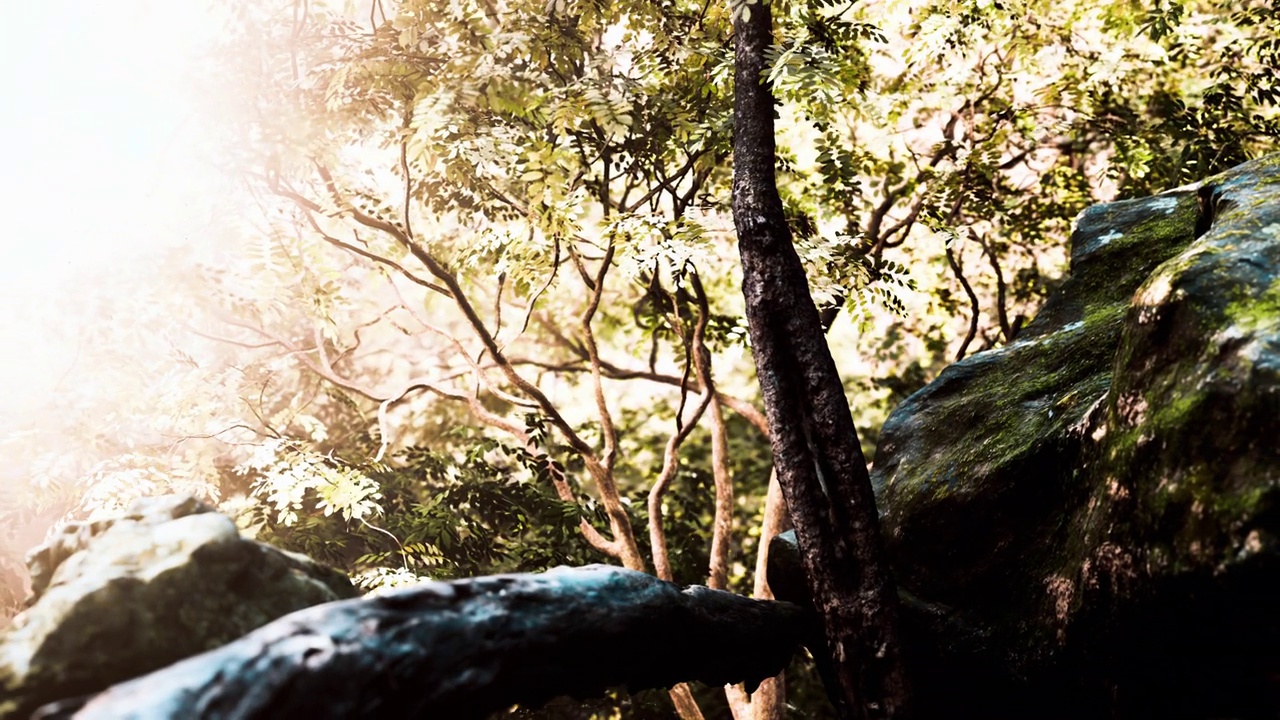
[(119, 598), (466, 649), (1086, 521)]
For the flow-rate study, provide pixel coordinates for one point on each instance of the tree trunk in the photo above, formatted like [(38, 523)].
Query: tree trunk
[(815, 446)]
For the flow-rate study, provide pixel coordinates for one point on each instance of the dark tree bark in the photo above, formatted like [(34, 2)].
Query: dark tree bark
[(467, 648), (815, 446)]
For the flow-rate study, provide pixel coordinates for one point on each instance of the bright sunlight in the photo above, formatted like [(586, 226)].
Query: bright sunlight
[(103, 164)]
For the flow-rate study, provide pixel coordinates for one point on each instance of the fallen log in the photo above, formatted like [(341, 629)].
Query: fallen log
[(467, 648)]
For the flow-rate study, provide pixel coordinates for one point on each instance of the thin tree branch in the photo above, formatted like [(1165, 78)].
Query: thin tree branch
[(408, 179), (973, 303), (533, 301), (670, 464), (749, 412), (619, 520), (665, 183), (1001, 290), (309, 208), (607, 428), (722, 524), (766, 703)]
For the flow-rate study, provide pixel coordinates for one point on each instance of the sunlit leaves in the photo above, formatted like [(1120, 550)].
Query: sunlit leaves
[(108, 489), (374, 579), (611, 115), (821, 65), (650, 243), (291, 481)]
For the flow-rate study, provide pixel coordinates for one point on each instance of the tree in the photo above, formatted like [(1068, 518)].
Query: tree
[(559, 166), (815, 446)]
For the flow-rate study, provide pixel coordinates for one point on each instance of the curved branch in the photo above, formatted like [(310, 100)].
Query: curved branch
[(1001, 289), (973, 303), (599, 471), (533, 301), (481, 376), (749, 412), (722, 524), (670, 463), (607, 428), (666, 182), (368, 255), (408, 179), (612, 548), (437, 269), (473, 403)]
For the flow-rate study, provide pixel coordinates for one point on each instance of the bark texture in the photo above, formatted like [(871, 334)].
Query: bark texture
[(468, 648), (815, 446)]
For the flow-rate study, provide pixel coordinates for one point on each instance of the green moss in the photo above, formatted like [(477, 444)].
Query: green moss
[(1235, 506), (1104, 317), (1048, 385), (1256, 313), (1155, 233), (1131, 258), (1049, 381), (1175, 413), (1161, 228)]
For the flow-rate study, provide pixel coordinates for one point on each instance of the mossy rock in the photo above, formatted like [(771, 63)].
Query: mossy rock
[(1098, 503), (120, 598)]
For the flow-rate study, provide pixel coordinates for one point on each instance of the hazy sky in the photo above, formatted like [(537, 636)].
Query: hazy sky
[(99, 157)]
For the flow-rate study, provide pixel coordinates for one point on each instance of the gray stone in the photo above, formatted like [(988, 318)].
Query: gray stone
[(1085, 521), (120, 598), (468, 648)]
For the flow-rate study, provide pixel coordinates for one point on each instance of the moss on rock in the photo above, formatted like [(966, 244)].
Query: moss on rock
[(1066, 494), (120, 598)]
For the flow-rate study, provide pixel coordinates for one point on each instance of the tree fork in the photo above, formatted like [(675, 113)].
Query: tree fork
[(815, 445)]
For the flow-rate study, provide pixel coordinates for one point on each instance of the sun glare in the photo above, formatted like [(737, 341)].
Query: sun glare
[(102, 162)]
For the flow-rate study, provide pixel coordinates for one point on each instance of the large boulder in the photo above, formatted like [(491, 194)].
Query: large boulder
[(465, 649), (119, 598), (1085, 522)]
